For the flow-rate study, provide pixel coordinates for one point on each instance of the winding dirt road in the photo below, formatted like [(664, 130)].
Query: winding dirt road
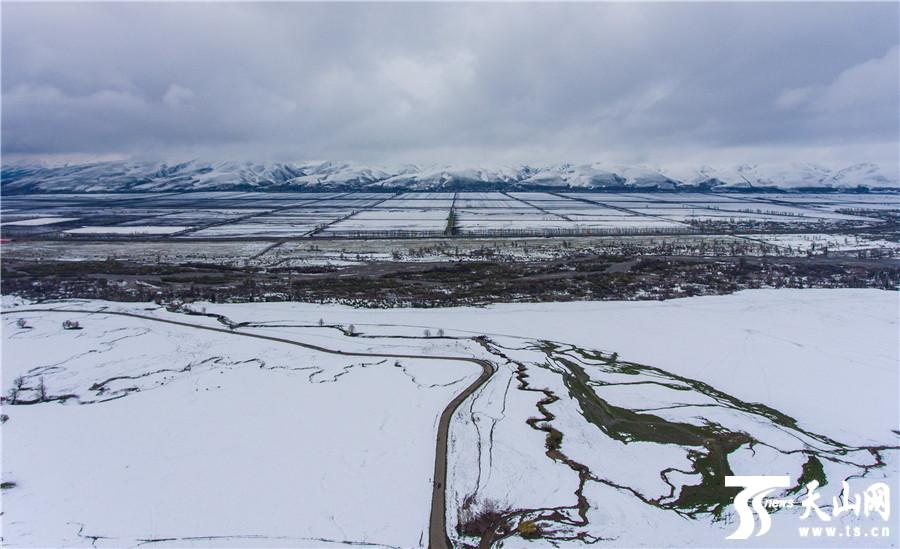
[(437, 529)]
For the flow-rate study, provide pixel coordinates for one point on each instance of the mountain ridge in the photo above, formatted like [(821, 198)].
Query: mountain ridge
[(196, 175)]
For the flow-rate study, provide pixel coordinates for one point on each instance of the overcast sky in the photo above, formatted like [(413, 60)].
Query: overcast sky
[(453, 83)]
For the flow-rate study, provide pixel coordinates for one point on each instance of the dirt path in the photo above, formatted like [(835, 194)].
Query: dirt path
[(437, 525)]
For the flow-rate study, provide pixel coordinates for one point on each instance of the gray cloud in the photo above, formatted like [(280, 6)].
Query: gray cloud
[(453, 82)]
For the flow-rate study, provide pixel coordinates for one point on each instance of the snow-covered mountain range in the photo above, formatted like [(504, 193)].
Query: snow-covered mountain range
[(133, 176)]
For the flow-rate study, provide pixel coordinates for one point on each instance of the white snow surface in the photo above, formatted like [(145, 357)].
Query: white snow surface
[(40, 221), (280, 445), (799, 351), (257, 443), (125, 230)]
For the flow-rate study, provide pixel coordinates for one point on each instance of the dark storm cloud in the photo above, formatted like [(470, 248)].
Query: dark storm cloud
[(453, 82)]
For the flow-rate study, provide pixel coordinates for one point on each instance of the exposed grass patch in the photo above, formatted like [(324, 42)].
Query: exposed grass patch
[(528, 529), (714, 443), (812, 470)]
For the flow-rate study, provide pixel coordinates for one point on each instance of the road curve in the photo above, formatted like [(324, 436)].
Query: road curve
[(437, 526)]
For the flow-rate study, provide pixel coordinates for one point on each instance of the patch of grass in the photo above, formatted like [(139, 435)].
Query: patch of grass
[(812, 470), (711, 494), (626, 425)]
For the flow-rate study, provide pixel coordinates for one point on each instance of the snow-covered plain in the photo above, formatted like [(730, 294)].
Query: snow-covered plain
[(223, 215), (184, 433), (767, 345), (282, 445), (128, 230), (40, 221)]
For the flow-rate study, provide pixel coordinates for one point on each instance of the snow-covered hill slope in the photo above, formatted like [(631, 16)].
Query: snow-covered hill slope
[(197, 175)]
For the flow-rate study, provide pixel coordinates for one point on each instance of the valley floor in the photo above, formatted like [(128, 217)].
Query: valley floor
[(292, 424)]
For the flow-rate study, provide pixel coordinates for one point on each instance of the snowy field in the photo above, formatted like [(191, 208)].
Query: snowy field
[(120, 431), (276, 444), (128, 230), (818, 243), (41, 221), (232, 215)]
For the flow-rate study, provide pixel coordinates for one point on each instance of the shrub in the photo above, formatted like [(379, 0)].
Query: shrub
[(476, 522), (554, 440), (528, 529), (18, 386)]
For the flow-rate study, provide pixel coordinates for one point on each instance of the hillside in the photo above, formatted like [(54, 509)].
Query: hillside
[(146, 176)]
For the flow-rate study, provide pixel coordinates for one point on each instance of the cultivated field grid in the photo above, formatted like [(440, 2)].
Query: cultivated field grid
[(309, 215)]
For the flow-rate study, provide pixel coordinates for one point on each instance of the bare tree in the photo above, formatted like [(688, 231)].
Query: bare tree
[(427, 332), (42, 390), (18, 385)]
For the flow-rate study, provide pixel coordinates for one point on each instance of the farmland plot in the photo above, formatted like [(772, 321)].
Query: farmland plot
[(225, 215), (383, 219)]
